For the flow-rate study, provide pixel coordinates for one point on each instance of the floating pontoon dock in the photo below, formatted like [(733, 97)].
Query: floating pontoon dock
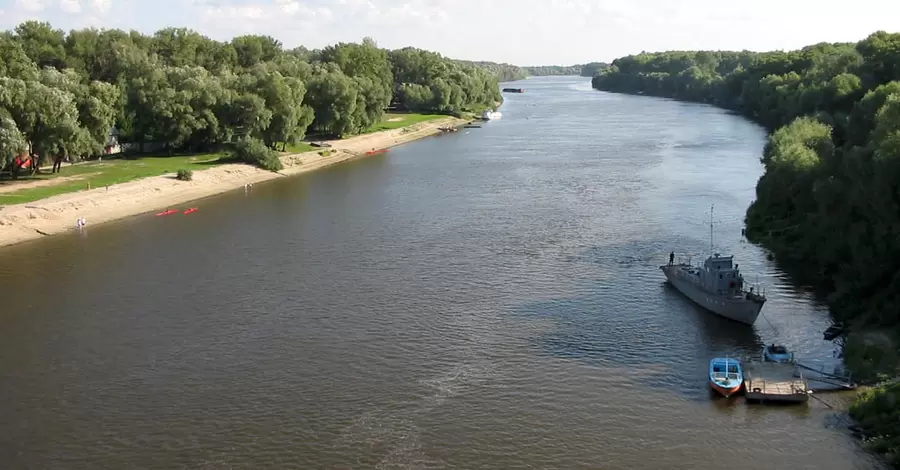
[(772, 382), (825, 381)]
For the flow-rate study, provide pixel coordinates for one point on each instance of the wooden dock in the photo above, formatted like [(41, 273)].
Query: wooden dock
[(772, 382)]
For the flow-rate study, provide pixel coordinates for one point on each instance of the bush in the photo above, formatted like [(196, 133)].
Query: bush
[(878, 415), (255, 152), (184, 175)]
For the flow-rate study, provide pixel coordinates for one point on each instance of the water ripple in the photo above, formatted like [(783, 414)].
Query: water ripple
[(488, 299)]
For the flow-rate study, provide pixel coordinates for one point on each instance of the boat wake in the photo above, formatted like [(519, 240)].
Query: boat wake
[(397, 429)]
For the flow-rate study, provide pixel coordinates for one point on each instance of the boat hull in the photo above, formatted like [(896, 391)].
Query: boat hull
[(725, 391), (784, 358), (739, 309)]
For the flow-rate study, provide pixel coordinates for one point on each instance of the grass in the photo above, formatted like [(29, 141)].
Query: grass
[(107, 173), (392, 121), (299, 147)]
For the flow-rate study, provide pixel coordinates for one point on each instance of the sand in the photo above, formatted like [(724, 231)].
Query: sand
[(58, 214)]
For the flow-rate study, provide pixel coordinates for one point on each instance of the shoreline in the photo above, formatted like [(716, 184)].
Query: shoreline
[(58, 214)]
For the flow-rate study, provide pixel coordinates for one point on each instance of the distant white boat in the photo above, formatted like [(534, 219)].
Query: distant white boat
[(489, 115)]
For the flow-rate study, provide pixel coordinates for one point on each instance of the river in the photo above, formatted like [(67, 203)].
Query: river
[(485, 299)]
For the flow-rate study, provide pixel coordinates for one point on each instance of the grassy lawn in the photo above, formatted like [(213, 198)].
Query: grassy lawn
[(99, 174), (299, 147), (397, 120)]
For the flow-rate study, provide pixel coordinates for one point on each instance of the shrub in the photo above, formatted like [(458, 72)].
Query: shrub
[(184, 175), (255, 152)]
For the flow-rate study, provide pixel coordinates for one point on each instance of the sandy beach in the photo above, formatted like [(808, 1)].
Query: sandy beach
[(58, 214)]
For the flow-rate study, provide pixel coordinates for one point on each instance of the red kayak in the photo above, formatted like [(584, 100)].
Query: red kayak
[(170, 211), (192, 209)]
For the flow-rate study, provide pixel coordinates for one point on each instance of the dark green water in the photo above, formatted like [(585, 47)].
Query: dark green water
[(489, 299)]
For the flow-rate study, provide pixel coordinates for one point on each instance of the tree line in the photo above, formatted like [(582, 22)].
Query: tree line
[(61, 93), (593, 68), (551, 70), (831, 161), (508, 72), (828, 203)]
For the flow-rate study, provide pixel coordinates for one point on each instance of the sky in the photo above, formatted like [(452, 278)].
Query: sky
[(521, 32)]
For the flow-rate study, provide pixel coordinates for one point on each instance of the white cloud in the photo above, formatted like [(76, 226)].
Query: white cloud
[(70, 6), (31, 5), (101, 6), (289, 8)]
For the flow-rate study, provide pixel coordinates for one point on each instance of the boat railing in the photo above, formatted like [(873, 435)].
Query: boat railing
[(757, 292), (728, 376)]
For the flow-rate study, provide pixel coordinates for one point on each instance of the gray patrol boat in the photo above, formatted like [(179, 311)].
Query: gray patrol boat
[(717, 286)]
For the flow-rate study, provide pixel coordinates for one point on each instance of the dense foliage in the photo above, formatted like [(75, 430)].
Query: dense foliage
[(831, 164), (503, 72), (591, 69), (508, 72), (828, 203), (550, 70), (878, 415), (60, 94)]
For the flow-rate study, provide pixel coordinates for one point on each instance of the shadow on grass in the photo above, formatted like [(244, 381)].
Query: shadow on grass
[(216, 161)]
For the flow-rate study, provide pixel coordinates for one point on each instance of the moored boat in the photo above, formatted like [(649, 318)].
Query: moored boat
[(489, 115), (726, 376), (718, 286), (777, 353)]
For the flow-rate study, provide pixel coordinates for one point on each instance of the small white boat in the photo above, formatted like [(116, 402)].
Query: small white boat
[(489, 115)]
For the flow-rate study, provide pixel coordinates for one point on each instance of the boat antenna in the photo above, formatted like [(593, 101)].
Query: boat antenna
[(711, 209)]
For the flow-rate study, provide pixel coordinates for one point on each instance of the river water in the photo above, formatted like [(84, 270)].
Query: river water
[(489, 299)]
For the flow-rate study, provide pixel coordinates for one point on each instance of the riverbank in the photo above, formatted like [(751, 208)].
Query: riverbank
[(807, 156), (57, 214)]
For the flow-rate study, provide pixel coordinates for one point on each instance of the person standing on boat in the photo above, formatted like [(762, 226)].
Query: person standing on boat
[(671, 258)]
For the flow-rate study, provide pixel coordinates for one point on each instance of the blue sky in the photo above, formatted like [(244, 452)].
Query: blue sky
[(523, 32)]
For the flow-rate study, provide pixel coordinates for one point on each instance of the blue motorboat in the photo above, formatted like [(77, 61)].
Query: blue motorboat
[(726, 376), (777, 353)]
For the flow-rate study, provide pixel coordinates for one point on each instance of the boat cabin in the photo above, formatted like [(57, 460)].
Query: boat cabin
[(719, 370), (719, 274)]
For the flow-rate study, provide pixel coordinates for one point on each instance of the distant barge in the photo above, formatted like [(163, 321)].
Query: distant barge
[(513, 90)]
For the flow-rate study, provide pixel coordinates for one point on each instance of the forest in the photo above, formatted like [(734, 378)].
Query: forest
[(828, 203), (62, 93), (502, 72), (509, 72), (591, 69), (551, 70)]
